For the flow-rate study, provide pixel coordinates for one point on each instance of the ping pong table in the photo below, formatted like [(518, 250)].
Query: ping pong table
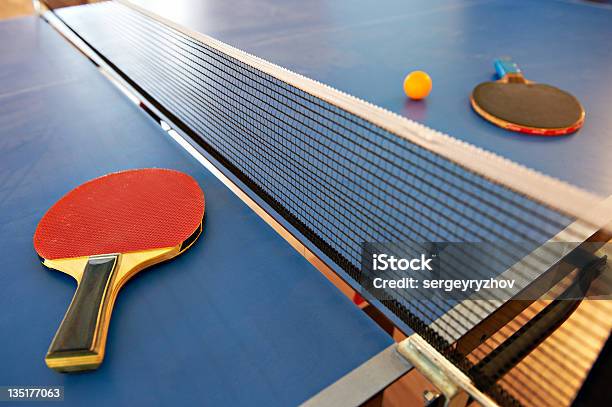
[(243, 319), (365, 49), (280, 332)]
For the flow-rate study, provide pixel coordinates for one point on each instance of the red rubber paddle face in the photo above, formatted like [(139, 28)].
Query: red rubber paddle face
[(122, 212)]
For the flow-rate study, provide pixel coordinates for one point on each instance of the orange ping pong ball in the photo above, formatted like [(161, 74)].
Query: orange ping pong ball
[(417, 85)]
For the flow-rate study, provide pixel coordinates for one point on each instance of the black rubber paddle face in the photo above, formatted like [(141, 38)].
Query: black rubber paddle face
[(528, 105)]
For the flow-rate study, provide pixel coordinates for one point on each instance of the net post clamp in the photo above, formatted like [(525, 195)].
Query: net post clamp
[(454, 385)]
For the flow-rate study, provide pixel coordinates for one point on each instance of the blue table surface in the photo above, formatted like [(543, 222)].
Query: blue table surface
[(365, 48), (239, 319)]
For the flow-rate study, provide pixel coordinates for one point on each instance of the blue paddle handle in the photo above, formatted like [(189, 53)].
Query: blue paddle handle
[(505, 66)]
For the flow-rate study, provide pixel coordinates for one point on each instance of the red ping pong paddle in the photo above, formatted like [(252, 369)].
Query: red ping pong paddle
[(516, 104), (102, 233)]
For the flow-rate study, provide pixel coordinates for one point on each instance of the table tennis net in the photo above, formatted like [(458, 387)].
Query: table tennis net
[(340, 180)]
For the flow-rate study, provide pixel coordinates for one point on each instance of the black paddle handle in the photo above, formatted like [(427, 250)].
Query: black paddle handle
[(77, 334)]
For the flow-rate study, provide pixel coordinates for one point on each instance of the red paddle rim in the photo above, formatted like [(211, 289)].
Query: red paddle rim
[(562, 131)]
